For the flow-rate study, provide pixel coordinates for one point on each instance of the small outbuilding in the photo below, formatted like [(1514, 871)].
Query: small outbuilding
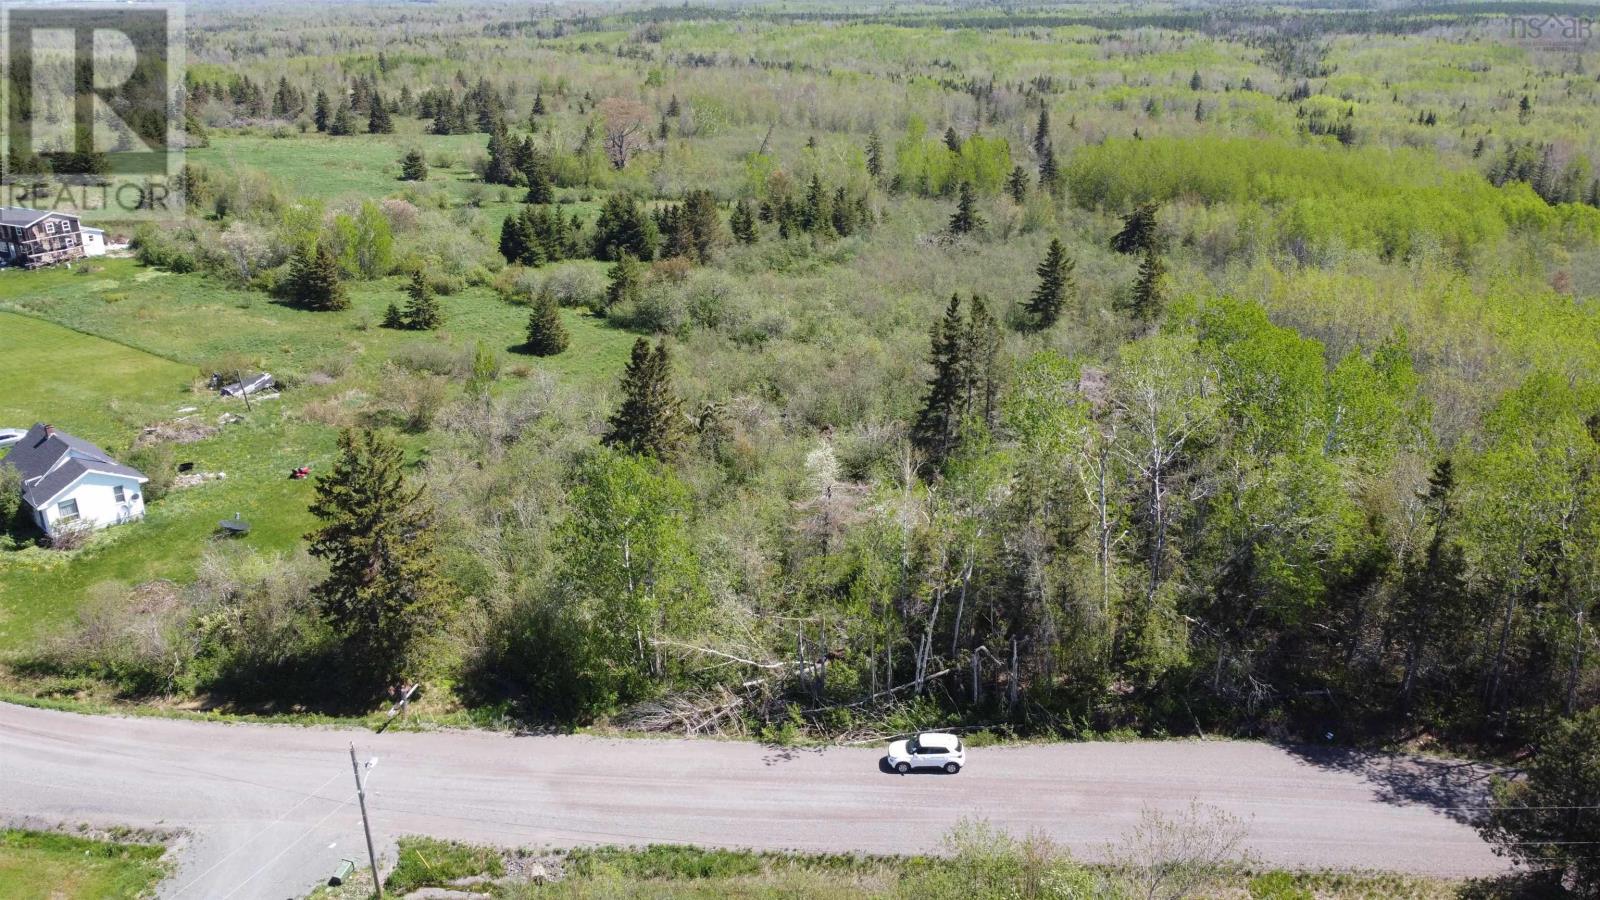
[(68, 482)]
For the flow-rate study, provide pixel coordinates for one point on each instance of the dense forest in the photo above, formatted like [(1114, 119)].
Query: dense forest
[(1164, 373)]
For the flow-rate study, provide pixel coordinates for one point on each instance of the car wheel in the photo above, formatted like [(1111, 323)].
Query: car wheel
[(902, 767), (952, 768)]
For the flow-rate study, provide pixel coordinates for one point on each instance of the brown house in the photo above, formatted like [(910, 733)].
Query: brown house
[(33, 237)]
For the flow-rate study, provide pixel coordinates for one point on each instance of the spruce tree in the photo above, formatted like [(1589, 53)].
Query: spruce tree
[(743, 223), (1055, 286), (546, 335), (413, 167), (966, 219), (536, 169), (384, 594), (1049, 174), (952, 141), (314, 280), (538, 103), (982, 364), (875, 156), (817, 215), (626, 281), (322, 117), (649, 421), (342, 123), (1041, 132), (1149, 295), (379, 121), (1017, 185), (1138, 232), (499, 169), (392, 317), (516, 241), (938, 424), (422, 309)]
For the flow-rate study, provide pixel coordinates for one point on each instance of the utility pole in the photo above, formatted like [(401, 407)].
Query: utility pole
[(361, 795)]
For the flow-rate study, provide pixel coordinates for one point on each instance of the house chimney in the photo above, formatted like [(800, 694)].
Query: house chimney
[(49, 430)]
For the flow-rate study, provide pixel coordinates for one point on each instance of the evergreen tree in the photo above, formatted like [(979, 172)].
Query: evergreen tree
[(546, 335), (743, 223), (536, 169), (384, 594), (844, 213), (413, 167), (516, 241), (343, 123), (1148, 298), (952, 141), (649, 421), (538, 103), (1433, 582), (392, 318), (624, 227), (966, 219), (499, 169), (1195, 83), (379, 121), (321, 116), (938, 424), (982, 364), (1017, 185), (1041, 132), (422, 309), (673, 111), (626, 280), (314, 279), (875, 155), (1049, 173), (1055, 286), (816, 216), (1138, 232)]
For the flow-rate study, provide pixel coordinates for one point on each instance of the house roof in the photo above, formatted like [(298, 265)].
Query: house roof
[(50, 461), (89, 230), (22, 216)]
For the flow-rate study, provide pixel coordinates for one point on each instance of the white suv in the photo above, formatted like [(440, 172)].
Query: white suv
[(930, 750)]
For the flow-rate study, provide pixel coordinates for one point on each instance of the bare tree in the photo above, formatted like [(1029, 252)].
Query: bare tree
[(625, 123)]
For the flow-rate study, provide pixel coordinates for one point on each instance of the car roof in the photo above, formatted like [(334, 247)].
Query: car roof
[(937, 739)]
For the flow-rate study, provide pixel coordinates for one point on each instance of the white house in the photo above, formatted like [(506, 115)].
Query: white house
[(94, 241), (69, 482)]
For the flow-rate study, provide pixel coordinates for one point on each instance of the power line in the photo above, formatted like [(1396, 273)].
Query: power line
[(268, 827)]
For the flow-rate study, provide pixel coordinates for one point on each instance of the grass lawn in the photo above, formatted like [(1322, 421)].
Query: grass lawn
[(101, 388), (38, 865), (135, 341)]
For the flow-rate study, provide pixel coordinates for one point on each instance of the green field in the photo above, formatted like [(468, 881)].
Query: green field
[(74, 376), (37, 865), (54, 374)]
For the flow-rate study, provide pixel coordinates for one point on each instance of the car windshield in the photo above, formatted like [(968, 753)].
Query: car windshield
[(912, 746)]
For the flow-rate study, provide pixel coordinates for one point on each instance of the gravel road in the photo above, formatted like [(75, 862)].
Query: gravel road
[(270, 810)]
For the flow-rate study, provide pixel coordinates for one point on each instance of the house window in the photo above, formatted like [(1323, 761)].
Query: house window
[(67, 511), (50, 226), (120, 494)]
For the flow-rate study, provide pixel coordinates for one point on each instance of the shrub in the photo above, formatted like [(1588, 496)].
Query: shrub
[(158, 461)]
